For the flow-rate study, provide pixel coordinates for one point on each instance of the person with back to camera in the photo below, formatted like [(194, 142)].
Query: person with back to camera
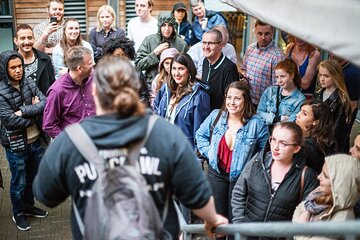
[(282, 103), (332, 91), (335, 198), (274, 182), (229, 137), (122, 120), (315, 121), (106, 29)]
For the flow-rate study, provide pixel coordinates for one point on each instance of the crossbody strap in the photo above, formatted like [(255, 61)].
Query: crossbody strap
[(302, 182), (277, 100)]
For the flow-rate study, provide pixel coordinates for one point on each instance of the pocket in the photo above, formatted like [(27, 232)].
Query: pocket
[(17, 140)]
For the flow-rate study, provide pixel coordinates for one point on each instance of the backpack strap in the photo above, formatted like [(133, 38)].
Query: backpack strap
[(134, 150), (302, 182), (87, 148)]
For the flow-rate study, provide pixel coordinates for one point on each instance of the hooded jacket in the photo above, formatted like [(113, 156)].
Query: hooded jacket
[(191, 110), (344, 174), (168, 165), (253, 199), (12, 100), (146, 59)]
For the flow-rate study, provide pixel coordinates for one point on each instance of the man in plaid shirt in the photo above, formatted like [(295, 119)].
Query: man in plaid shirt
[(260, 60)]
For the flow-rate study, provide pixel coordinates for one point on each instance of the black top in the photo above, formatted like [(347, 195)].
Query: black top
[(218, 76)]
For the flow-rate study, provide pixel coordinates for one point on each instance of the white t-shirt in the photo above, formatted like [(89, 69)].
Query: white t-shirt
[(137, 30)]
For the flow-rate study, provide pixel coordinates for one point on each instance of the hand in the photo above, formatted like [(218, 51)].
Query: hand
[(209, 227), (35, 100), (158, 50), (18, 113), (52, 27)]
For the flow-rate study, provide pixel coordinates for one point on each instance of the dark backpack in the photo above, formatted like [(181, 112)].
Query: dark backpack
[(120, 206)]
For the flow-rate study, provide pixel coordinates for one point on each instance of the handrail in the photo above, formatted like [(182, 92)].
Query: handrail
[(349, 229)]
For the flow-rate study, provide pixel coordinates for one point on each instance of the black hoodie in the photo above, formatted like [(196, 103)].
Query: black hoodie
[(169, 165), (12, 100)]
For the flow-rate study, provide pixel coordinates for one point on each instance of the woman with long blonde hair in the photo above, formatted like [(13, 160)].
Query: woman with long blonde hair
[(332, 91)]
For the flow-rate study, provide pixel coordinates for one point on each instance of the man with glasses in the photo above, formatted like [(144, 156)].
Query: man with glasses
[(228, 50), (218, 71)]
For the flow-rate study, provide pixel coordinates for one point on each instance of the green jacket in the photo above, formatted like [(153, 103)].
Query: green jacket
[(147, 61)]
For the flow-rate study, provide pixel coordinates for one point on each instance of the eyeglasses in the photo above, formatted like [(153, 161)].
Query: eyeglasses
[(210, 43), (280, 143)]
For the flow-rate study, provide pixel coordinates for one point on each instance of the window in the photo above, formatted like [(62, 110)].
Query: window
[(76, 9)]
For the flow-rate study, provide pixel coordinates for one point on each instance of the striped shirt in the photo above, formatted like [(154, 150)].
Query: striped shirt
[(259, 64)]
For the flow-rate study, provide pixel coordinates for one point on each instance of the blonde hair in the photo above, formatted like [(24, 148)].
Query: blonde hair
[(336, 73), (109, 9)]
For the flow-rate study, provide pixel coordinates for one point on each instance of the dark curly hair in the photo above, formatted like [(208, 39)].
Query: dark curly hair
[(124, 43)]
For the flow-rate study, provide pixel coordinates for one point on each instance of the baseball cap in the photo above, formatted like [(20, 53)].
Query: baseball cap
[(179, 6)]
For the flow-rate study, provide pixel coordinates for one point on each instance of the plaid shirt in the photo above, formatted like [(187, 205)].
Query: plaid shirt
[(259, 64)]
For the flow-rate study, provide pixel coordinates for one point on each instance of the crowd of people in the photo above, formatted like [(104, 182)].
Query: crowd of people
[(250, 144)]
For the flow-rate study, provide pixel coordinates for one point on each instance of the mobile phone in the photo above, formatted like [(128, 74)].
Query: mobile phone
[(53, 19)]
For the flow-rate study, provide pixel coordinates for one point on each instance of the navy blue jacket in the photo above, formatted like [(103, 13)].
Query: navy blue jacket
[(191, 111)]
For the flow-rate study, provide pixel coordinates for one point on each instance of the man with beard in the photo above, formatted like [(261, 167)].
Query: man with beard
[(48, 33), (38, 66)]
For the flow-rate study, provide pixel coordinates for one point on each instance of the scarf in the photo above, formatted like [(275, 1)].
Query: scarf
[(311, 206)]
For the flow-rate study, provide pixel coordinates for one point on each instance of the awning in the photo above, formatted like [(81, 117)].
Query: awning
[(333, 25)]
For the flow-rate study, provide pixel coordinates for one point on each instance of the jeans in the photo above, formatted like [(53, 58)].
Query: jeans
[(23, 167)]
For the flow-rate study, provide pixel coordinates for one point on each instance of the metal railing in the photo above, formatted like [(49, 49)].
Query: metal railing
[(347, 230)]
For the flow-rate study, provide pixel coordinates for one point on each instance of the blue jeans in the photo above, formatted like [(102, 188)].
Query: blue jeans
[(23, 167)]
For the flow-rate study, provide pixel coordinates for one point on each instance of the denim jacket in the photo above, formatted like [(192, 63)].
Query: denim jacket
[(250, 139), (191, 111), (288, 106)]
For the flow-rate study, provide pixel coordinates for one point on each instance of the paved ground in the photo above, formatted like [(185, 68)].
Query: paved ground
[(57, 225)]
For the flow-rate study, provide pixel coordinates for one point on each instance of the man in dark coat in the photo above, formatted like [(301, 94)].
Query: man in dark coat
[(21, 104)]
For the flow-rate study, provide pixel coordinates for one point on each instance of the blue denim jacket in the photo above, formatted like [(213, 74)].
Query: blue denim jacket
[(250, 139), (289, 105), (191, 111)]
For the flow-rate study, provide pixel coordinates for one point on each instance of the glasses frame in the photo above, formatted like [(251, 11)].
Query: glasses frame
[(280, 143), (210, 43)]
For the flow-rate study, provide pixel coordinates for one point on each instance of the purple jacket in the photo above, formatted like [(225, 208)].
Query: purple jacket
[(67, 103)]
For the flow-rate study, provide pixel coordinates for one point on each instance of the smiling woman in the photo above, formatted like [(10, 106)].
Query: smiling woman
[(71, 37), (229, 137)]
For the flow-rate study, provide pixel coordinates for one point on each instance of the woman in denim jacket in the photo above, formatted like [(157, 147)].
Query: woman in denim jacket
[(230, 142), (282, 103)]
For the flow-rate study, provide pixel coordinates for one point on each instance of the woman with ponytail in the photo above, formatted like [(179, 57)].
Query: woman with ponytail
[(166, 160)]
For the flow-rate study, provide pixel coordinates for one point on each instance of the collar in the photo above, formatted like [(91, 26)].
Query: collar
[(270, 45), (218, 63)]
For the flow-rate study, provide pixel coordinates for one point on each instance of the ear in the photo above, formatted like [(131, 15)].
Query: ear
[(16, 41), (315, 122), (297, 149)]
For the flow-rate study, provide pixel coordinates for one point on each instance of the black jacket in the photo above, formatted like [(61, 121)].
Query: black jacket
[(45, 75), (12, 100), (340, 127), (253, 199), (169, 166)]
